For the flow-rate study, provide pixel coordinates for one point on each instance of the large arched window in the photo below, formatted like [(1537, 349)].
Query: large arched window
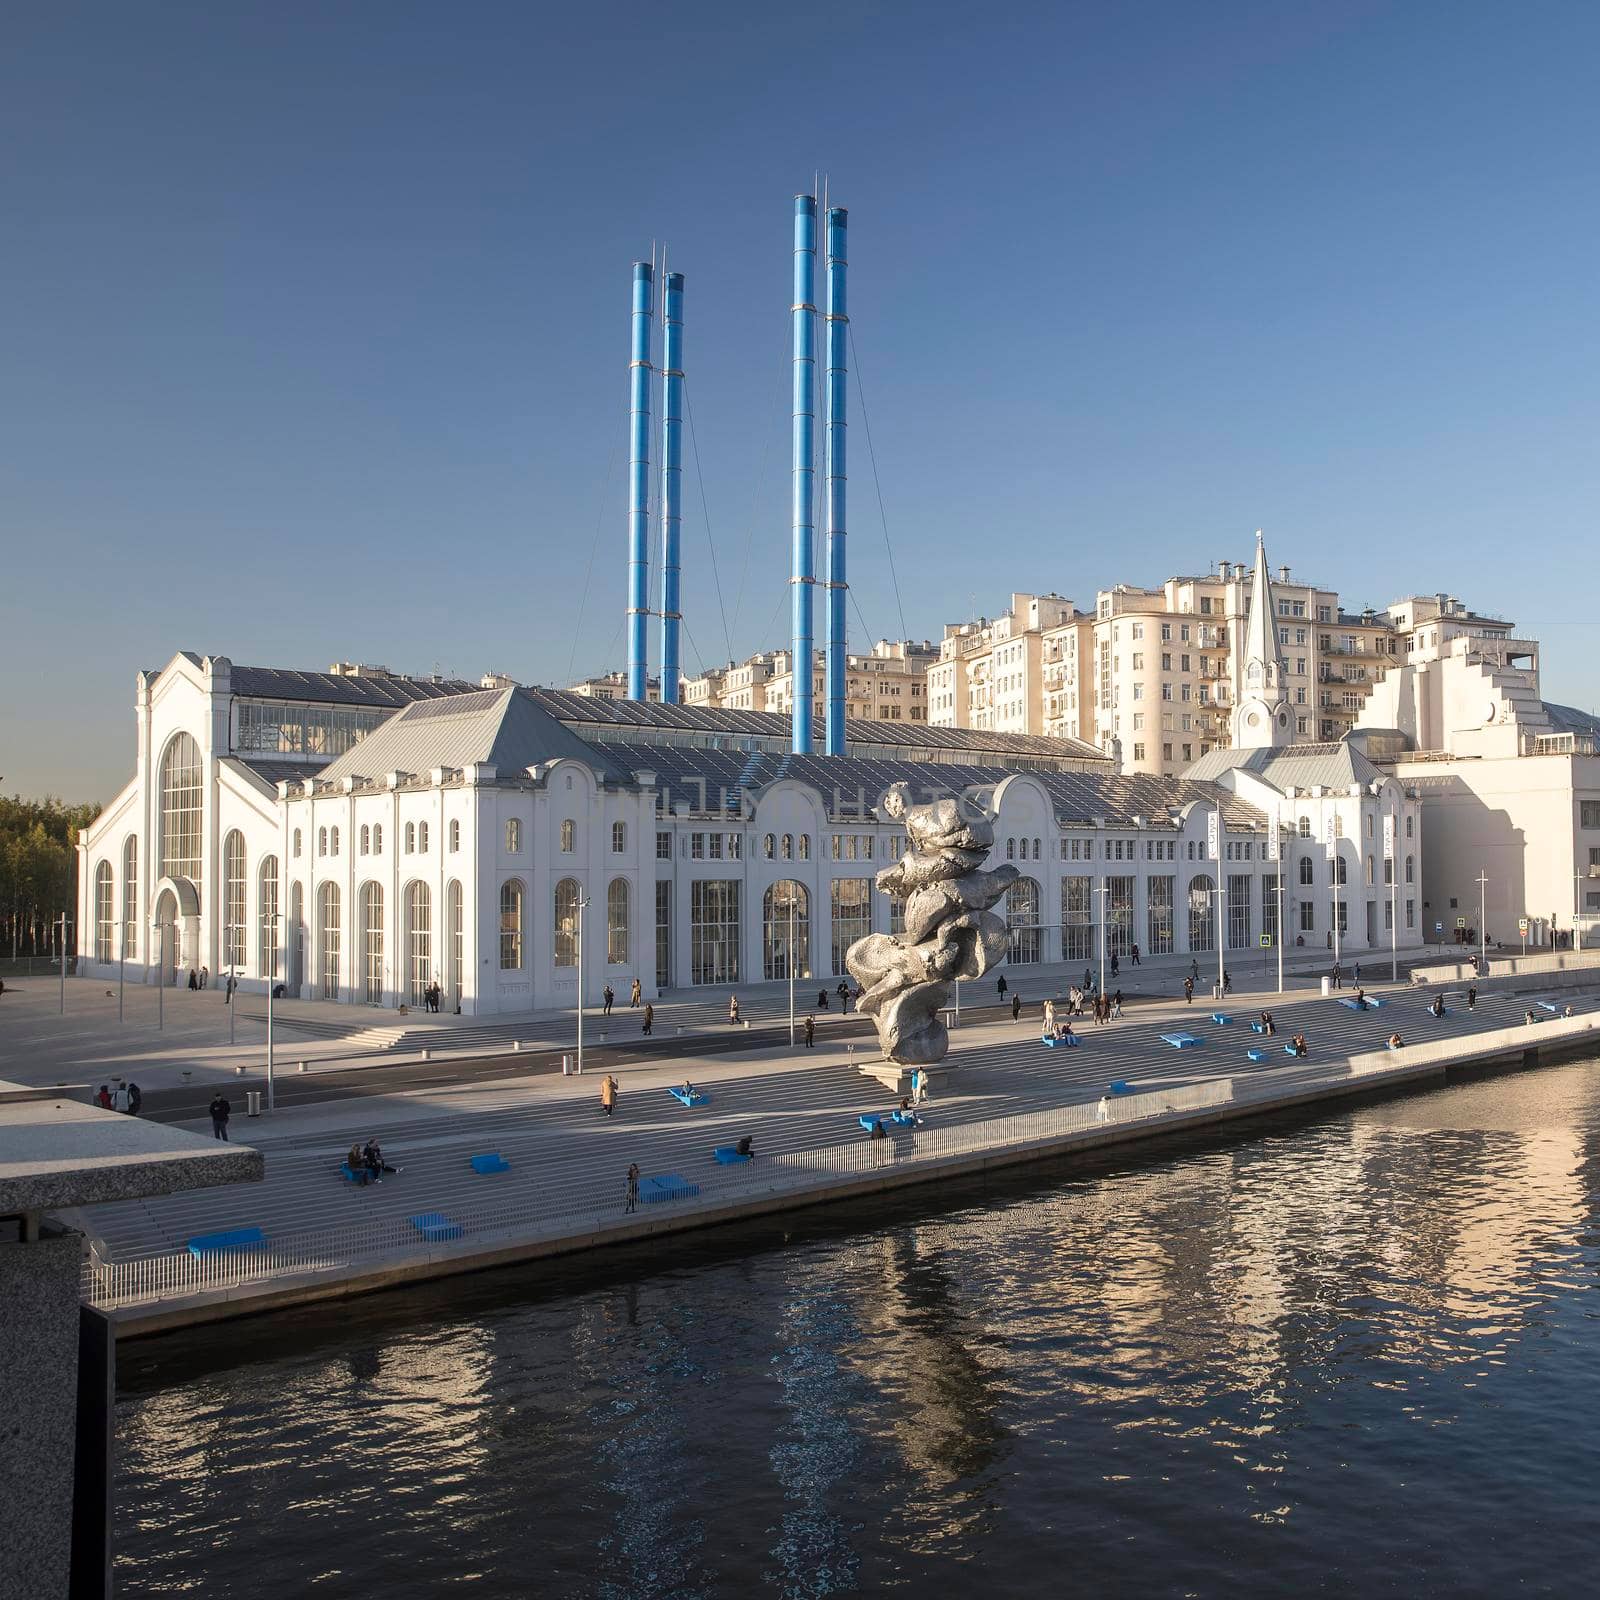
[(295, 944), (372, 943), (786, 930), (180, 810), (328, 938), (233, 900), (617, 921), (511, 925), (456, 934), (566, 923), (104, 911), (1022, 918), (419, 940), (1202, 929), (267, 917), (1411, 869), (130, 896)]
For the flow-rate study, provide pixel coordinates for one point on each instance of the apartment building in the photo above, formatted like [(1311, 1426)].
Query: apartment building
[(607, 686), (885, 685), (990, 673)]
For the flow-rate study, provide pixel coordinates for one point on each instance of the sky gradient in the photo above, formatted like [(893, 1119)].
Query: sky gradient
[(315, 322)]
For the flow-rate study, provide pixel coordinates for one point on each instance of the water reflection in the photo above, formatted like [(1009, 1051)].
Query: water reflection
[(1343, 1357)]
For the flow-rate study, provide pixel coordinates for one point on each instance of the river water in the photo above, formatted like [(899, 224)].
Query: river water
[(1357, 1356)]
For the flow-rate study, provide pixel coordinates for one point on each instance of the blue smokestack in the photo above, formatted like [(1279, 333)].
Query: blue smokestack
[(639, 485), (671, 479), (803, 316), (838, 324)]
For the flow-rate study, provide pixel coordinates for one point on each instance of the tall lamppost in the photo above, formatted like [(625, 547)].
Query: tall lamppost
[(1483, 932), (122, 956), (272, 919), (64, 924), (1103, 891), (791, 964), (1391, 852), (1577, 910), (583, 902)]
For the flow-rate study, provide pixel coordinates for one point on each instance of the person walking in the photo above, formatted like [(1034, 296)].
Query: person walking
[(119, 1098), (608, 1094), (1188, 991), (1114, 968), (1194, 972), (1016, 1006), (608, 998), (1355, 974), (1135, 954), (1086, 977), (811, 1032), (103, 1098), (649, 1020), (634, 993), (733, 1010), (1338, 976), (228, 988), (205, 976), (1001, 985), (919, 1086), (135, 1098), (1472, 997), (633, 1187), (220, 1112), (1116, 1005), (843, 992), (1227, 981), (194, 980)]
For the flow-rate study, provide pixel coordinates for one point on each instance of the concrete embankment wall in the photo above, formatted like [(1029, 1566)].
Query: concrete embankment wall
[(1378, 1073)]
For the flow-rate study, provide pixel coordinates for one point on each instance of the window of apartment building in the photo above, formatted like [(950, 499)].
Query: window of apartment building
[(1588, 815), (1299, 724), (1283, 636), (1138, 721), (1138, 691), (1183, 663), (1300, 667), (1187, 756), (663, 847), (1300, 636), (1188, 722), (1166, 691), (1138, 752), (1283, 608), (1185, 693), (1324, 614), (1166, 661), (1308, 917), (1205, 605), (1325, 641), (1166, 752), (1138, 630), (1166, 633), (1138, 661)]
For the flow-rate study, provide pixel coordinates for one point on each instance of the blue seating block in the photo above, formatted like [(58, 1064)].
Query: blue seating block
[(491, 1163), (728, 1155), (1181, 1041), (1222, 1017), (1122, 1086), (1548, 1005), (903, 1119), (435, 1226), (666, 1186), (696, 1098), (1051, 1040), (214, 1244), (355, 1174), (1258, 1027), (867, 1119), (1369, 1004), (1256, 1055), (1288, 1050)]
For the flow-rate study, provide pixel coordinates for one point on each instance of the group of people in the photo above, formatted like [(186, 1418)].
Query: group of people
[(367, 1160), (198, 980), (431, 996), (609, 998), (125, 1097)]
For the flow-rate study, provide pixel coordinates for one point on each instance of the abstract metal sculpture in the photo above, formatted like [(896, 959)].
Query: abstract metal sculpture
[(950, 931)]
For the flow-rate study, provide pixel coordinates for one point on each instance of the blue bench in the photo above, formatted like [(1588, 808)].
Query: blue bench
[(1222, 1017), (214, 1244), (358, 1175), (1369, 1004), (1122, 1086), (1256, 1055), (903, 1119), (1445, 1012), (1548, 1005), (491, 1163), (1181, 1041), (1258, 1027), (1050, 1039), (728, 1155), (869, 1119), (666, 1186), (1290, 1050), (689, 1097), (435, 1226)]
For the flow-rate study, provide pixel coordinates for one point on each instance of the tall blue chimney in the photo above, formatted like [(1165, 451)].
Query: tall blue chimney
[(671, 479), (803, 316), (639, 485), (837, 323)]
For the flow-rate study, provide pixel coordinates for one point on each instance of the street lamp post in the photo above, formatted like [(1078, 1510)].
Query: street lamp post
[(62, 919), (1577, 910), (1103, 890), (122, 956), (1279, 865), (161, 979), (583, 901), (791, 966), (1483, 935)]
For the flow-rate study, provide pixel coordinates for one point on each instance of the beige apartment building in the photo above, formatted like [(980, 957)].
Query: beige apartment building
[(887, 685), (990, 674)]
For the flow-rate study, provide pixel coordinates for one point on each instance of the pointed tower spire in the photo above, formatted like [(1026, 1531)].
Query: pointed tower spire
[(1262, 719)]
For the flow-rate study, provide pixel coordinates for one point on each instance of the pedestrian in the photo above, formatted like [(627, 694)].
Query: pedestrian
[(220, 1112), (1102, 1112), (843, 991), (1049, 1016), (811, 1031), (194, 979), (879, 1137), (205, 976), (608, 1094), (919, 1086), (633, 1187), (135, 1099), (822, 999), (227, 990), (103, 1098), (1087, 975), (1001, 986), (1355, 974), (1116, 1005), (1114, 968), (1135, 954), (119, 1098), (1227, 981), (1016, 1006), (1338, 976), (733, 1010), (1472, 997), (1194, 972), (1188, 991), (635, 993), (649, 1020), (608, 997)]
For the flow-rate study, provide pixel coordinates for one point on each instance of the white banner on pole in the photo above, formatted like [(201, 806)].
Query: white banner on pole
[(1330, 839), (1388, 838), (1214, 836), (1274, 838)]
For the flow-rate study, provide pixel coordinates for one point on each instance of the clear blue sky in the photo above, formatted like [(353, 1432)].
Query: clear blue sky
[(314, 320)]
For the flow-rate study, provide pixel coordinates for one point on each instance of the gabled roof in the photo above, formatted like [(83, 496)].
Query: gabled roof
[(1569, 719), (507, 728), (328, 688), (1302, 766)]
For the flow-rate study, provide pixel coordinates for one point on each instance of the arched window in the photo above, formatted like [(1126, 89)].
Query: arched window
[(1411, 869), (1202, 926), (333, 846), (1339, 869), (769, 846), (1305, 827), (456, 935), (619, 838), (511, 925), (786, 930), (322, 841), (366, 840), (1022, 918), (419, 939), (422, 838), (566, 921), (377, 838), (180, 809), (569, 834), (104, 911), (1307, 870), (455, 835), (296, 943), (297, 844), (267, 918), (1011, 849), (130, 896), (513, 839), (372, 943), (617, 918), (803, 846), (328, 937), (233, 888), (411, 838), (1035, 849), (1369, 872), (786, 847)]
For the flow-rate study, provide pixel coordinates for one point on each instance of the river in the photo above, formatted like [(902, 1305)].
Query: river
[(1352, 1356)]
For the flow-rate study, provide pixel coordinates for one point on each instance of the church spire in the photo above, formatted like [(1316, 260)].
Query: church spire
[(1262, 719)]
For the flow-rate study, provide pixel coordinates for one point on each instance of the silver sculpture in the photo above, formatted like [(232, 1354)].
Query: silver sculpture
[(950, 931)]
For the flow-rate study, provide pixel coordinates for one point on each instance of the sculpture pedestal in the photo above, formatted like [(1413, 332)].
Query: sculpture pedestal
[(897, 1079)]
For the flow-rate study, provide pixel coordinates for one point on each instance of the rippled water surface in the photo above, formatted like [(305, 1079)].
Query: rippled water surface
[(1355, 1357)]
